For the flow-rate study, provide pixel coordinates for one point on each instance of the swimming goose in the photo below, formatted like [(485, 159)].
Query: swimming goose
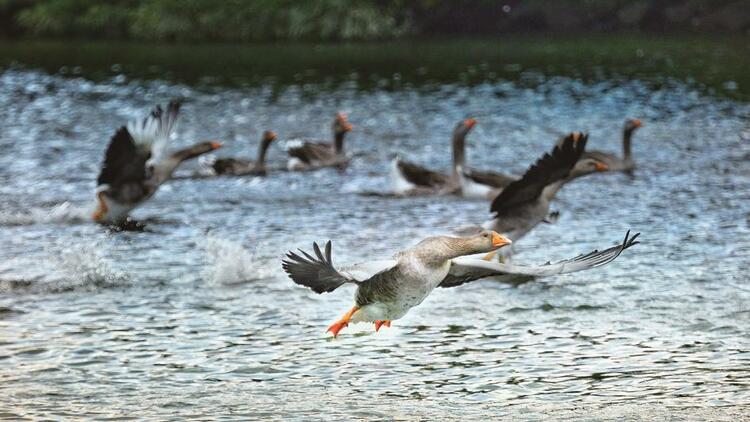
[(525, 203), (387, 289), (412, 179), (314, 155), (134, 166), (614, 162), (239, 167)]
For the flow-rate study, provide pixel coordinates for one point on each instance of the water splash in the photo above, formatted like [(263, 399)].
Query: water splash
[(230, 263), (64, 213)]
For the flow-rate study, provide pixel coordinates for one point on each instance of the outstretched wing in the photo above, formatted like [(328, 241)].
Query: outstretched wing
[(151, 134), (464, 270), (318, 273), (123, 161), (495, 180), (550, 168)]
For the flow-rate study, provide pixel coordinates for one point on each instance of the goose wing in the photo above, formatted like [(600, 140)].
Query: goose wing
[(123, 162), (318, 273), (420, 176), (495, 180), (550, 168), (151, 135), (310, 152), (465, 269)]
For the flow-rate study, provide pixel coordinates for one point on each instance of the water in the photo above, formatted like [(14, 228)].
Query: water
[(193, 318)]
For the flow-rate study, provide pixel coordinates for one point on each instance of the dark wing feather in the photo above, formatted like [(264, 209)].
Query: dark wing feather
[(464, 270), (421, 176), (315, 272), (550, 168), (495, 180), (123, 162)]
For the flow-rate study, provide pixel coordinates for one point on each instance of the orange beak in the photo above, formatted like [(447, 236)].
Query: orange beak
[(272, 136), (637, 123), (601, 166), (470, 122), (215, 144), (499, 240), (347, 127)]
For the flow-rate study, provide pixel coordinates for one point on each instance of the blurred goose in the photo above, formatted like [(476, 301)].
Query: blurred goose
[(314, 155), (239, 167), (134, 166), (412, 179), (525, 203), (612, 161), (386, 290)]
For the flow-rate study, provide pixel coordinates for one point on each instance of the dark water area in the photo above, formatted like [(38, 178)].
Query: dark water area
[(193, 317)]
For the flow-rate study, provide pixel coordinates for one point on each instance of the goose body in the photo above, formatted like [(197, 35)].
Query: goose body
[(240, 167), (315, 155), (135, 164), (483, 185), (388, 289)]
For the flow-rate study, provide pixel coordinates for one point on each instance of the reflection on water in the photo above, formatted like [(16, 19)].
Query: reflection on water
[(193, 317)]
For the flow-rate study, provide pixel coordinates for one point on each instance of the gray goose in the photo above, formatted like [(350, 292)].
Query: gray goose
[(387, 289), (412, 179), (614, 162), (135, 166), (315, 155), (525, 203), (240, 167)]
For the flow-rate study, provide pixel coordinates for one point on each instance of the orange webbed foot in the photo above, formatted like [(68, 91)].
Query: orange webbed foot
[(380, 323), (343, 322)]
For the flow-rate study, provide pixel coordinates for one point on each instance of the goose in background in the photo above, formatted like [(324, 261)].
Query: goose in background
[(135, 164), (240, 167), (387, 289), (612, 161), (315, 155), (525, 203), (412, 179)]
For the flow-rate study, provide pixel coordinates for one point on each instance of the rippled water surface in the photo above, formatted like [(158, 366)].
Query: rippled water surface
[(193, 318)]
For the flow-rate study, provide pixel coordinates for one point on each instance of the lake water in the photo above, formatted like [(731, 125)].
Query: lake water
[(193, 318)]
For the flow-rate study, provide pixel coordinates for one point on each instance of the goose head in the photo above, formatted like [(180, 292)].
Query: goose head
[(341, 124), (464, 127), (588, 166), (483, 242), (268, 137), (632, 124)]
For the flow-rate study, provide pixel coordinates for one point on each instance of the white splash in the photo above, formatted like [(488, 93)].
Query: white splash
[(230, 263), (62, 213)]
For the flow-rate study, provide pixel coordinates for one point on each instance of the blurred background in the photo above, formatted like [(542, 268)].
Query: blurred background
[(193, 318)]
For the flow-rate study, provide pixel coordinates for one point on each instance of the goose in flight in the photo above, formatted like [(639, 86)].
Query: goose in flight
[(135, 164), (386, 290), (526, 202)]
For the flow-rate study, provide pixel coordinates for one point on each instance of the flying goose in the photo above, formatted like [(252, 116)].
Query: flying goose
[(386, 290), (314, 155), (412, 179), (239, 167), (525, 203), (614, 162), (135, 165)]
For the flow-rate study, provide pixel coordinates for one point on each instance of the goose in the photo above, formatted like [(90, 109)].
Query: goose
[(612, 161), (411, 179), (525, 203), (387, 289), (135, 165), (314, 155), (239, 167)]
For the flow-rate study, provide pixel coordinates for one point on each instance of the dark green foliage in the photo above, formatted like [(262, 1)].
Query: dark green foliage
[(269, 20)]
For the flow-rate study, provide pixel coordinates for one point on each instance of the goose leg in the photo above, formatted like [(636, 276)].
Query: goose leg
[(101, 210), (380, 323), (343, 322)]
